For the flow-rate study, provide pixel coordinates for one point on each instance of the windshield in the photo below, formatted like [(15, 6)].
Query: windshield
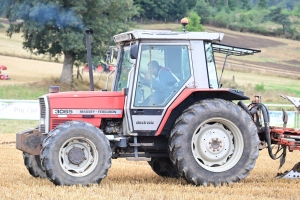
[(211, 66), (124, 66)]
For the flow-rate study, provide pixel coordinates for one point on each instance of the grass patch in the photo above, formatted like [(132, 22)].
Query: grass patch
[(10, 126), (26, 92), (259, 87), (32, 91), (269, 88)]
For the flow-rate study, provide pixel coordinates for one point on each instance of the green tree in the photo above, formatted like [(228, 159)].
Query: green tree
[(56, 27), (245, 4), (290, 4), (177, 10), (190, 3), (232, 4), (296, 10), (220, 4), (194, 22), (153, 9), (278, 17), (262, 4), (204, 10)]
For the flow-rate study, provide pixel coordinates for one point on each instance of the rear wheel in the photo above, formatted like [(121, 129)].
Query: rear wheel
[(163, 167), (214, 142), (76, 153), (33, 165)]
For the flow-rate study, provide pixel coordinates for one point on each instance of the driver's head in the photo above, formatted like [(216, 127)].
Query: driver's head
[(154, 66)]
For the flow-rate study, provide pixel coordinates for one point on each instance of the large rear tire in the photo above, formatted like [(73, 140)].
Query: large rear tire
[(163, 167), (76, 153), (33, 165), (214, 142)]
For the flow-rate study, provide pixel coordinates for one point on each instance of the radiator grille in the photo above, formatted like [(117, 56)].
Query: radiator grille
[(56, 122), (42, 113)]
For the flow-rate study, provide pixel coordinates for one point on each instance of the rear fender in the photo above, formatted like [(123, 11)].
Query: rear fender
[(189, 97)]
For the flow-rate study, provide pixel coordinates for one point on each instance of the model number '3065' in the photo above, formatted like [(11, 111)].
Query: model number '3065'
[(61, 111)]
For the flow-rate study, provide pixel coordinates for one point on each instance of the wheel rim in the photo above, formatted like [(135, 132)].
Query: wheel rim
[(78, 156), (217, 144)]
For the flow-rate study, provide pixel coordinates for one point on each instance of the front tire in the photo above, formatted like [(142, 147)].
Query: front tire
[(33, 165), (76, 153), (214, 142)]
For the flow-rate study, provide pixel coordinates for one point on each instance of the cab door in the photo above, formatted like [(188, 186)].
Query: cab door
[(154, 90)]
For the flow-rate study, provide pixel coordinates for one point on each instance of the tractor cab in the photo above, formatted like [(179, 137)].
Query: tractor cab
[(156, 67)]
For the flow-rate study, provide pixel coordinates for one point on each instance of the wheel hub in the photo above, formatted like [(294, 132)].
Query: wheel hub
[(215, 144), (212, 145), (76, 156)]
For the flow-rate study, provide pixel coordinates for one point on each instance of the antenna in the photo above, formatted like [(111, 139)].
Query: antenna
[(184, 21)]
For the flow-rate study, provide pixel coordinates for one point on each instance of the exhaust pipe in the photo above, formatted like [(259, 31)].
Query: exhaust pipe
[(89, 32)]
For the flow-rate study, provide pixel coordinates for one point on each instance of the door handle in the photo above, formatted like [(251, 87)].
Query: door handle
[(139, 112)]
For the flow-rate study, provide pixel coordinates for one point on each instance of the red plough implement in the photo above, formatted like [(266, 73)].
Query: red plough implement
[(287, 138)]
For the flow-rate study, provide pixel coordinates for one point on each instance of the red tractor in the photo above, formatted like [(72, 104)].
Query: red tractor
[(166, 106), (103, 66), (3, 76)]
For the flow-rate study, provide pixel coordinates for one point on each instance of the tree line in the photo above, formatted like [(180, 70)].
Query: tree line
[(238, 15), (170, 10)]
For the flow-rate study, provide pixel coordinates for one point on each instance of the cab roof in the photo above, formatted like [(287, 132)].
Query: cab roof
[(165, 34)]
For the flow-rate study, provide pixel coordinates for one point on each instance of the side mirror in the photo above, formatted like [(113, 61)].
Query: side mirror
[(134, 51)]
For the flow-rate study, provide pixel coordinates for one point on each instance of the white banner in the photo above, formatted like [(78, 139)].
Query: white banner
[(30, 110), (19, 109), (276, 118)]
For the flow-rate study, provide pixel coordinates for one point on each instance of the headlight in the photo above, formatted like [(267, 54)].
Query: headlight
[(42, 121)]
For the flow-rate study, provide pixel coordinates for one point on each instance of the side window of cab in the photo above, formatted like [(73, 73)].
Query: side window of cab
[(163, 70)]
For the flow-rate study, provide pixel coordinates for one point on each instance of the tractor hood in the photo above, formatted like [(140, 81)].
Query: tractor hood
[(84, 94), (78, 104)]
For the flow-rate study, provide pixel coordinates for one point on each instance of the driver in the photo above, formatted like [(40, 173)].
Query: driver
[(163, 84)]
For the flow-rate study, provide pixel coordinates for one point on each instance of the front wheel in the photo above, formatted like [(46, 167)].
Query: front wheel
[(33, 165), (214, 142), (76, 153)]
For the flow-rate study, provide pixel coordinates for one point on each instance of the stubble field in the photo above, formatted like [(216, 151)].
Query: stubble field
[(136, 180)]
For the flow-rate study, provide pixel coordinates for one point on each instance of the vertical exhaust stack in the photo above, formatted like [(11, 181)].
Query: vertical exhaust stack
[(89, 32)]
